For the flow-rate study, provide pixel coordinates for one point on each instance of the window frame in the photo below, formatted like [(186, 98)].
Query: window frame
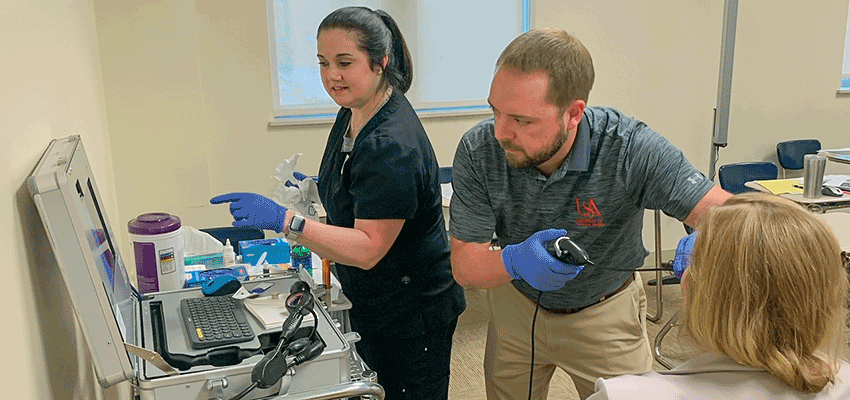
[(326, 115)]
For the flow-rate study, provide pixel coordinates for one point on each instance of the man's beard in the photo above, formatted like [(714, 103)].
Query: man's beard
[(533, 160)]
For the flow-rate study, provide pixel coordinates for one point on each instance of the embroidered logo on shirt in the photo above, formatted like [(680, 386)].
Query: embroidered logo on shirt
[(590, 215)]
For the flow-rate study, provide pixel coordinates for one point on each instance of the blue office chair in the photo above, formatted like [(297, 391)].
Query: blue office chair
[(791, 152), (733, 176), (235, 234)]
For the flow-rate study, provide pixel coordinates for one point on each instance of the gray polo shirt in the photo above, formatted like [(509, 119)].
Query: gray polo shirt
[(617, 168)]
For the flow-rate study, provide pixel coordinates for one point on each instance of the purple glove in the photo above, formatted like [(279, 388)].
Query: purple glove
[(251, 209), (684, 250), (531, 262)]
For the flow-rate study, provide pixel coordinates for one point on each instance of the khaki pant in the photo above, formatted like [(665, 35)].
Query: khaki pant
[(604, 340)]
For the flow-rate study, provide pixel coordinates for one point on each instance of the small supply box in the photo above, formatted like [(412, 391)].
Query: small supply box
[(143, 338), (196, 278), (209, 261), (276, 249)]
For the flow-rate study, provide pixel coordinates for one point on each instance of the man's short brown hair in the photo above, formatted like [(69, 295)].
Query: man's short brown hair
[(560, 55)]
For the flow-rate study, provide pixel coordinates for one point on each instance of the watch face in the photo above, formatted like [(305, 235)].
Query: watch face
[(297, 224)]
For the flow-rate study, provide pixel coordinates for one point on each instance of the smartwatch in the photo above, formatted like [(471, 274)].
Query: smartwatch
[(296, 226)]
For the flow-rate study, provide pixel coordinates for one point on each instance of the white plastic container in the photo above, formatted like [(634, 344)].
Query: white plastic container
[(158, 245), (228, 254)]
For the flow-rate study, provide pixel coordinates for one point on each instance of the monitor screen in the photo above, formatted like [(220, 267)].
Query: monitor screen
[(101, 245)]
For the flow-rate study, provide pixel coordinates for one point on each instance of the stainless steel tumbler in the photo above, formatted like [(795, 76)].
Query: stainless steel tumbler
[(813, 167)]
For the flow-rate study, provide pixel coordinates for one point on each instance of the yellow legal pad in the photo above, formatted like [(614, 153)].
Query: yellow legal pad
[(781, 186)]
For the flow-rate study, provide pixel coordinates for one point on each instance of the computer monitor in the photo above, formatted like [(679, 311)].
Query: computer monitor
[(68, 202)]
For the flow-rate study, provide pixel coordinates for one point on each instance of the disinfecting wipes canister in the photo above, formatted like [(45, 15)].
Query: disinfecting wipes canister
[(158, 249)]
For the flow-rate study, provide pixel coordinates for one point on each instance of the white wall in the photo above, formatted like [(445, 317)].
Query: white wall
[(51, 88)]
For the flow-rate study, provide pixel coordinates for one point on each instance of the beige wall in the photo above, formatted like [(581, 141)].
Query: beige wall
[(659, 60), (172, 100), (51, 88), (189, 105)]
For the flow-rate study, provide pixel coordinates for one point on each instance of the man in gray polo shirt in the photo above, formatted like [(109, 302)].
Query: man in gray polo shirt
[(545, 165)]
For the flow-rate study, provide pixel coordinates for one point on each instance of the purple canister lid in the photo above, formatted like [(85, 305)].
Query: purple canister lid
[(154, 224)]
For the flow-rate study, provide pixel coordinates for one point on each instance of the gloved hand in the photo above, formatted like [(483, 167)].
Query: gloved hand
[(299, 177), (251, 209), (684, 250), (531, 262)]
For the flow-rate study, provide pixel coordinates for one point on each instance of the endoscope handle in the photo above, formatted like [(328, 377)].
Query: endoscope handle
[(566, 250)]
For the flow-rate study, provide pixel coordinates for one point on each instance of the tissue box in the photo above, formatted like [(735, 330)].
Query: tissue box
[(276, 249), (210, 261)]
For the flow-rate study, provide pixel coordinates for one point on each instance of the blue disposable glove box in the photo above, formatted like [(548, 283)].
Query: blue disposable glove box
[(276, 249)]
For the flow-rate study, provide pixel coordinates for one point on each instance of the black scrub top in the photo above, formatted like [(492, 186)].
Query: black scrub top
[(392, 173)]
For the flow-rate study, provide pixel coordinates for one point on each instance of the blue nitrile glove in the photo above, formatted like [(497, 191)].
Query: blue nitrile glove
[(684, 250), (300, 177), (251, 209), (531, 262)]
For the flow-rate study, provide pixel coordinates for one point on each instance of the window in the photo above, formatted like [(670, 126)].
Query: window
[(454, 46), (845, 72)]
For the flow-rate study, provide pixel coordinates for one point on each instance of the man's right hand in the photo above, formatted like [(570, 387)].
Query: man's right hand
[(531, 262)]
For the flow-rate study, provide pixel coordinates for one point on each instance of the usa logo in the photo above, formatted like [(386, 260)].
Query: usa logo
[(589, 214)]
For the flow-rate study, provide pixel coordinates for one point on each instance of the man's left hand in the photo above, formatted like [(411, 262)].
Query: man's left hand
[(684, 253)]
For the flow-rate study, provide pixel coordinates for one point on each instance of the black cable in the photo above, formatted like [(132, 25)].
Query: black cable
[(245, 392), (668, 266), (315, 323), (640, 269), (533, 323)]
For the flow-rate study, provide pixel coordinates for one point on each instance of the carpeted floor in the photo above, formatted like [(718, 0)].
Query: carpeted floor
[(467, 379)]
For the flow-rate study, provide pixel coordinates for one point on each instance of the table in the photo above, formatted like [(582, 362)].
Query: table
[(818, 205), (837, 155)]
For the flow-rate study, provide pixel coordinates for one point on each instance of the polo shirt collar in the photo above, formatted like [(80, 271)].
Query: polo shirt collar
[(578, 159)]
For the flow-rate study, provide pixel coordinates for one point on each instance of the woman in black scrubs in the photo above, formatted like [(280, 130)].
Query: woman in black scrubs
[(379, 183)]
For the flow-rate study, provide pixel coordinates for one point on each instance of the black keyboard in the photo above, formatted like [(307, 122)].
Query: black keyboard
[(215, 321)]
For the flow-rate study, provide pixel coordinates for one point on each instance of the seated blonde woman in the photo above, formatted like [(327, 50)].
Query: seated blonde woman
[(765, 299)]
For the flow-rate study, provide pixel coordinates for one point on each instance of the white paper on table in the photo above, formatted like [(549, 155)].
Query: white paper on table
[(270, 312), (835, 180)]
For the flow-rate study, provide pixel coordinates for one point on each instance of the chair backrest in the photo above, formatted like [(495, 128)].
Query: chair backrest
[(734, 176), (445, 174), (790, 153), (235, 234)]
